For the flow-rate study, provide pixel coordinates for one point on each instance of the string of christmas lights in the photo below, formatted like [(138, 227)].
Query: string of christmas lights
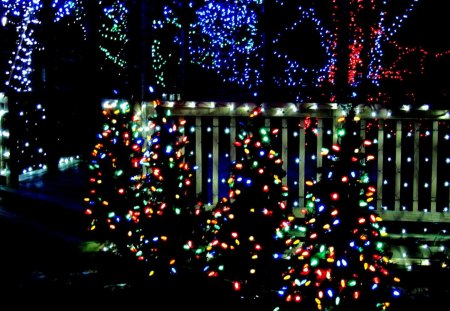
[(241, 245), (164, 212), (25, 16), (341, 261), (112, 170), (113, 34)]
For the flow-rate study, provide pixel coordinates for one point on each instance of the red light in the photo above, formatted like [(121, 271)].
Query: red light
[(236, 286), (335, 196)]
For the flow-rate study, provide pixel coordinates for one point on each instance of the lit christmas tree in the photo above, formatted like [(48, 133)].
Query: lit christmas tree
[(242, 246), (165, 215), (341, 262), (114, 174)]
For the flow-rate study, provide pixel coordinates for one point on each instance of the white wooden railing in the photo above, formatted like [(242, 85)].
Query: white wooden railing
[(412, 148)]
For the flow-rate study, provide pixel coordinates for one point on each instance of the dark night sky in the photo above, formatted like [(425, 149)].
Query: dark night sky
[(428, 26)]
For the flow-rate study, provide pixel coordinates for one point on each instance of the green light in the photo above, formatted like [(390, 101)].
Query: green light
[(341, 132), (380, 245)]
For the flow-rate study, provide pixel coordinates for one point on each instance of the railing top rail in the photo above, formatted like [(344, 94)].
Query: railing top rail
[(327, 110)]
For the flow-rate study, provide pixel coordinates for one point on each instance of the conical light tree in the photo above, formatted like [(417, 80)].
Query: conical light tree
[(342, 262), (113, 167), (241, 249), (165, 209)]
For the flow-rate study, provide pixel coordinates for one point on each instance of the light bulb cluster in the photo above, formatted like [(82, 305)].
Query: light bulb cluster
[(114, 34), (242, 242), (229, 40), (24, 15), (147, 216), (340, 259)]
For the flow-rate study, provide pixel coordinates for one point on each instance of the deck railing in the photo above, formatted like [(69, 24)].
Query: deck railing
[(412, 150)]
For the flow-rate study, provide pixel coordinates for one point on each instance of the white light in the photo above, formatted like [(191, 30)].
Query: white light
[(406, 108), (4, 21)]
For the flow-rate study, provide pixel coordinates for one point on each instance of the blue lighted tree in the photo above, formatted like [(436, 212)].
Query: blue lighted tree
[(221, 37), (26, 17)]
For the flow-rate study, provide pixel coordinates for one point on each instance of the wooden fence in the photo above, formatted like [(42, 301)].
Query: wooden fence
[(412, 150)]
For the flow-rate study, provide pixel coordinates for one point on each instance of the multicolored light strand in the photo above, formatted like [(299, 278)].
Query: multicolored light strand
[(341, 261)]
